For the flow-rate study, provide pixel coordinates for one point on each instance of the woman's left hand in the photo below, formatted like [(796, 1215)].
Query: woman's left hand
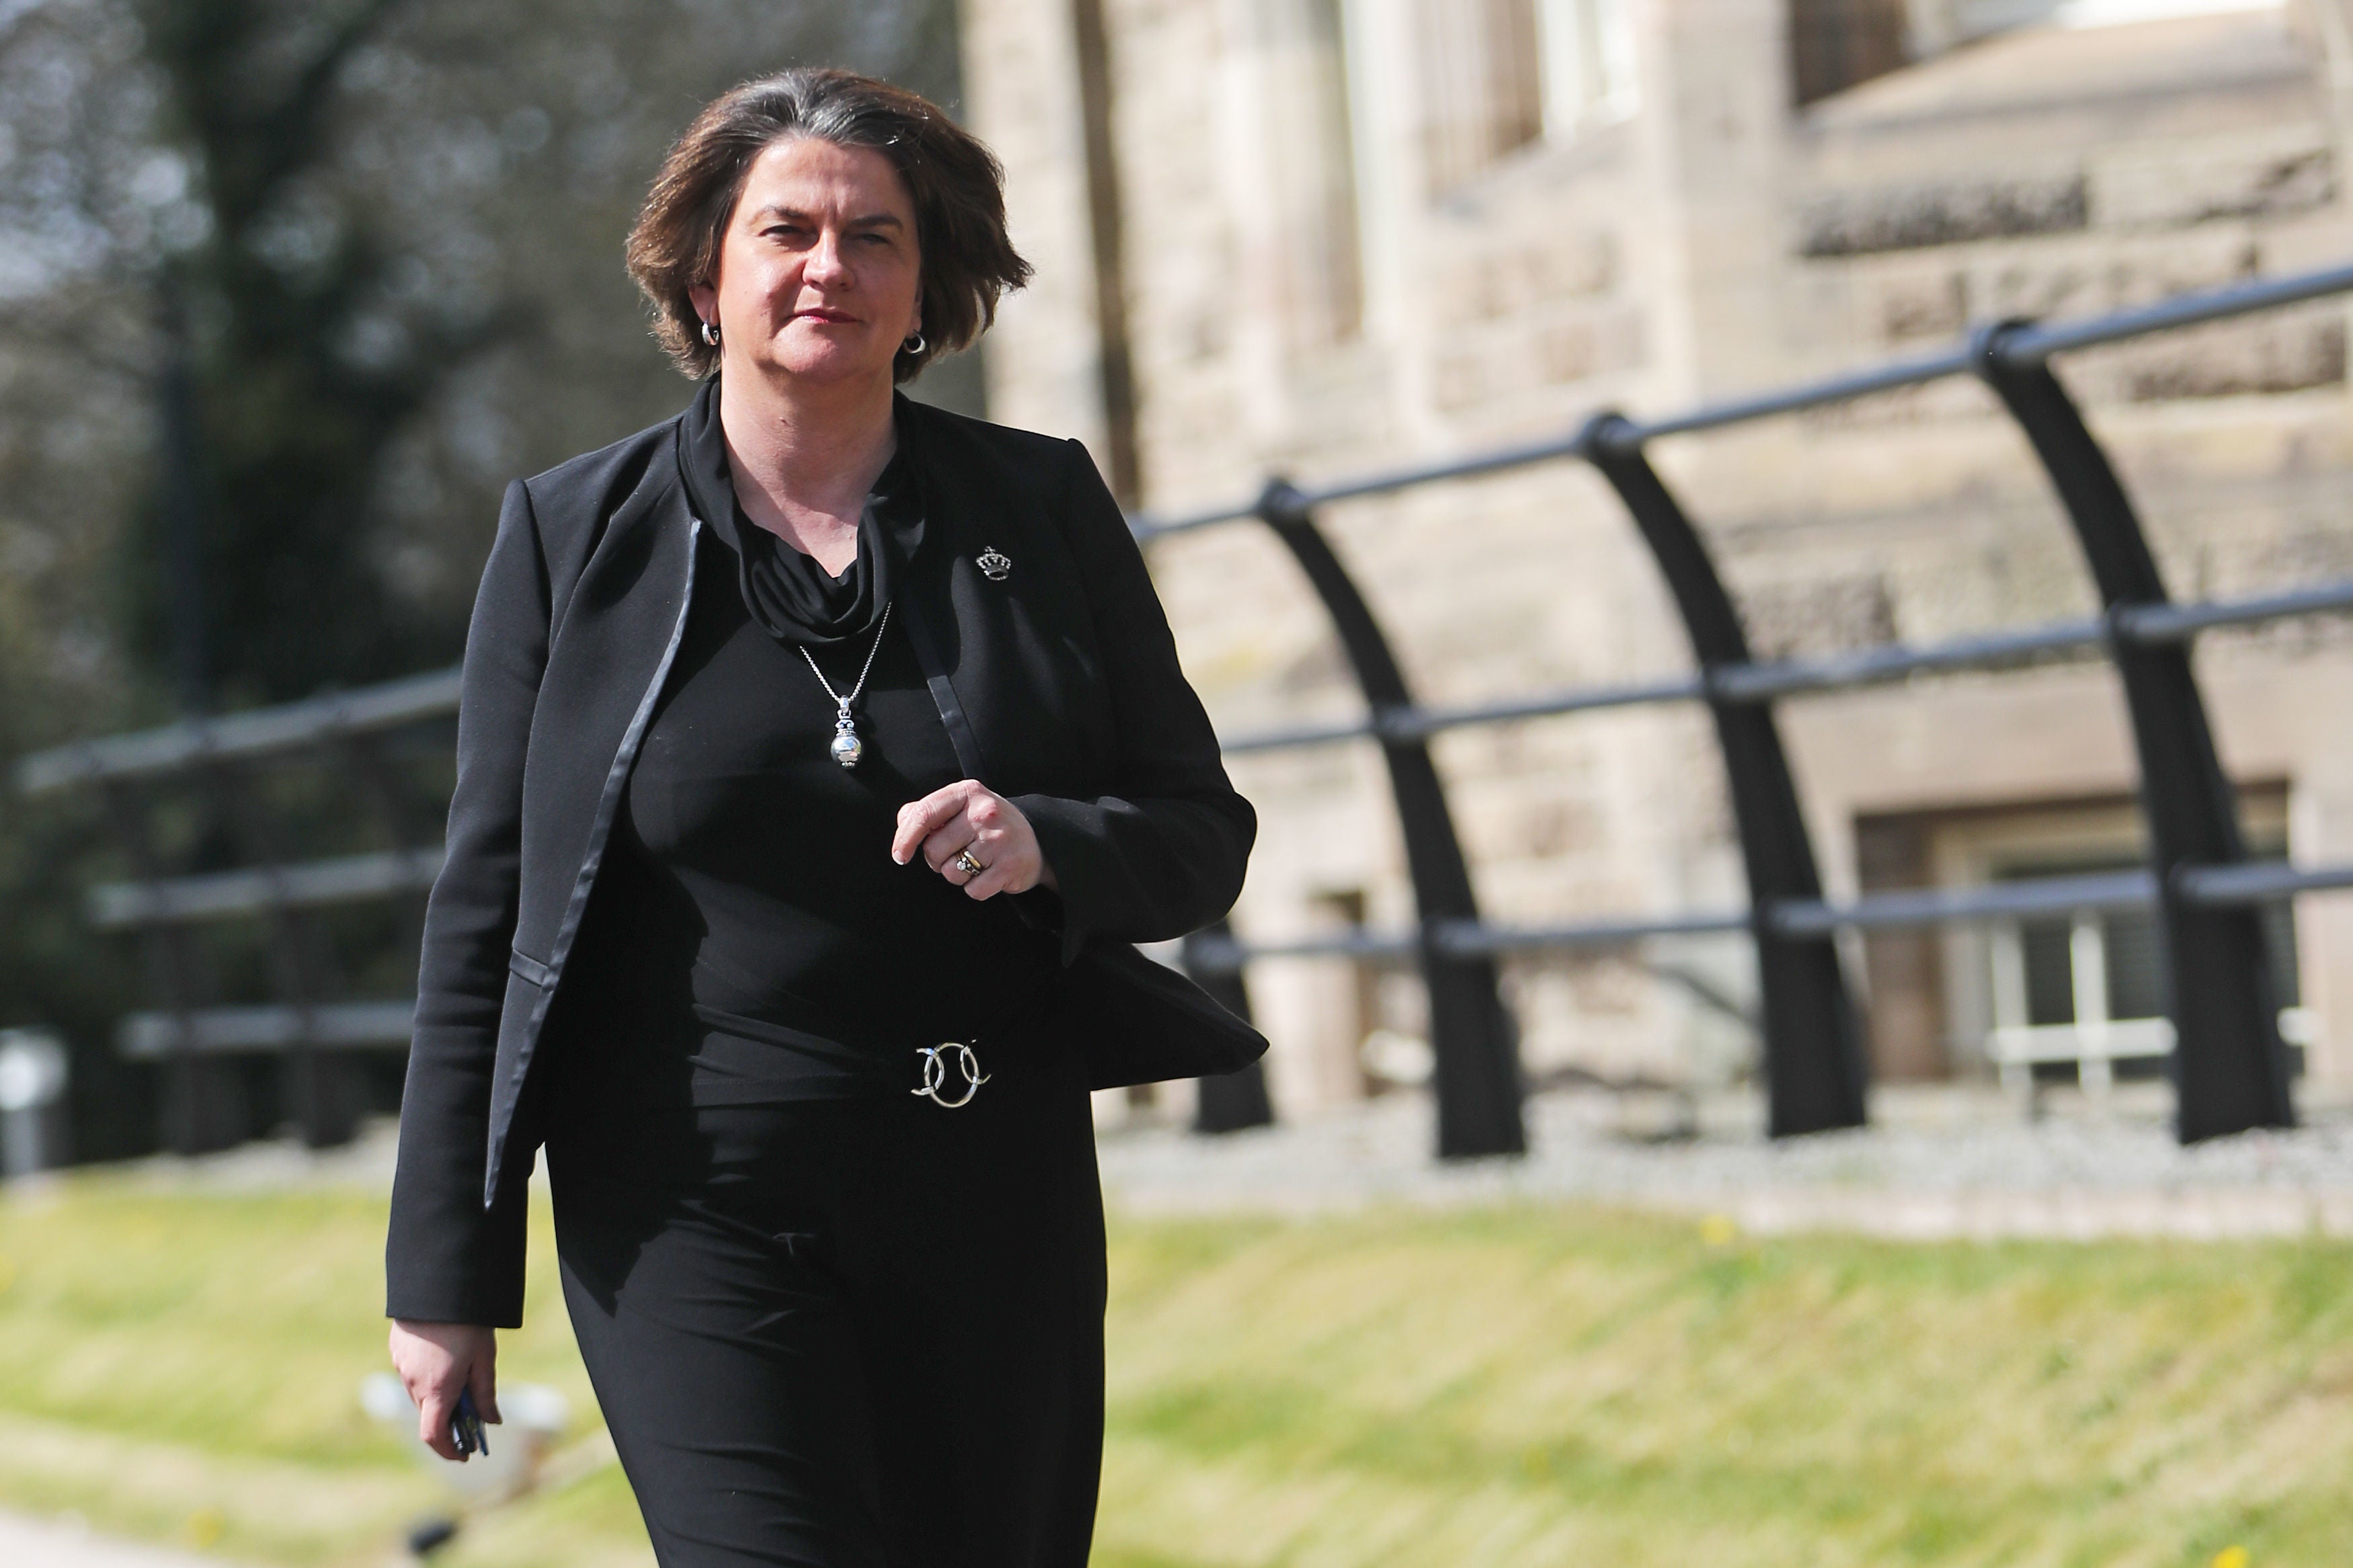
[(969, 816)]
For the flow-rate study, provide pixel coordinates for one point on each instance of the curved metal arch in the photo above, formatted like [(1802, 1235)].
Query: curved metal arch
[(1814, 1071), (1235, 1100), (2229, 1065), (1478, 1080)]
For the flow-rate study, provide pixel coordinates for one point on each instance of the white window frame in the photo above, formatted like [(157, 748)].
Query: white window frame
[(1965, 21), (2095, 1041), (1589, 64)]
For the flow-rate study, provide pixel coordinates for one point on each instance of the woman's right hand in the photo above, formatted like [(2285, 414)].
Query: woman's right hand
[(437, 1361)]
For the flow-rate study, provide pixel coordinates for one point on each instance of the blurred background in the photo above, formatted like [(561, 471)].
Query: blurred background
[(289, 291)]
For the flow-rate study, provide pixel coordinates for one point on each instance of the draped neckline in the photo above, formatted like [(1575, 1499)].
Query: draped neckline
[(792, 597)]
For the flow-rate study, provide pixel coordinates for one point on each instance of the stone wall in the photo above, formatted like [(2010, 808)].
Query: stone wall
[(1713, 241)]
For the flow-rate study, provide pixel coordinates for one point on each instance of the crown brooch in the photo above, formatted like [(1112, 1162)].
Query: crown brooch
[(996, 567)]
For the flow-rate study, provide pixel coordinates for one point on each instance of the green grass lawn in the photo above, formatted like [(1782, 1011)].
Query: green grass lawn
[(1498, 1388)]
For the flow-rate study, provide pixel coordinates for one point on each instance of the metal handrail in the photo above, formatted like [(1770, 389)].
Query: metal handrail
[(348, 879), (2033, 344), (286, 726), (176, 746), (1884, 665), (2256, 882)]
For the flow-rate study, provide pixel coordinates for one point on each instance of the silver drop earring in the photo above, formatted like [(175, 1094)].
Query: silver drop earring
[(711, 333), (914, 343)]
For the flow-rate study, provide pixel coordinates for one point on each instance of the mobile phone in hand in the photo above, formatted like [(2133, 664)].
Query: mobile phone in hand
[(466, 1426)]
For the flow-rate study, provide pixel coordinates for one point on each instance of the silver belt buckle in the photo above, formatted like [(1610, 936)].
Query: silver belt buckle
[(935, 1073)]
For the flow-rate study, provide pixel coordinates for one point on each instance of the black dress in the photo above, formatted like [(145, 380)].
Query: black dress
[(832, 1321)]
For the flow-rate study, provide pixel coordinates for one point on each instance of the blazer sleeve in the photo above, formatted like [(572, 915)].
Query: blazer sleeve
[(448, 1258), (1164, 852)]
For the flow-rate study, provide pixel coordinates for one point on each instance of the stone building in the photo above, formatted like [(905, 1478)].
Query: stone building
[(1320, 237)]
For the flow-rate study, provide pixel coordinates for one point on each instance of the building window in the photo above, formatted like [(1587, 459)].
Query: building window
[(1483, 74), (2089, 989), (1314, 163), (1837, 44), (2076, 996), (1589, 64), (2084, 990), (1940, 24)]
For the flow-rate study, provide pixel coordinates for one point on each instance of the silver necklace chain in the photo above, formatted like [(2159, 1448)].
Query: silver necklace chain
[(847, 747)]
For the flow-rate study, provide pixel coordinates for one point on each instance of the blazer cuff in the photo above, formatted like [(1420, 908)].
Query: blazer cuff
[(446, 1258), (1069, 850), (1040, 909)]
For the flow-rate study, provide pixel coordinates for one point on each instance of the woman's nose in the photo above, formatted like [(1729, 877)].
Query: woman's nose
[(826, 262)]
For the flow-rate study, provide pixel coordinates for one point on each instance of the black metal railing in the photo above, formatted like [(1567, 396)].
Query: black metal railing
[(2230, 1063), (376, 765)]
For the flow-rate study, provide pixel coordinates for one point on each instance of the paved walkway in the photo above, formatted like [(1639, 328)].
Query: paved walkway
[(1936, 1162), (38, 1543)]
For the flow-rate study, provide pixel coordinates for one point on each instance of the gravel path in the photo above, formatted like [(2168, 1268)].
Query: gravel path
[(38, 1543), (1936, 1163), (1937, 1160)]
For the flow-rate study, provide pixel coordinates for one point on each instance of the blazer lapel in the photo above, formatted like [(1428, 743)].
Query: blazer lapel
[(605, 673), (1009, 657)]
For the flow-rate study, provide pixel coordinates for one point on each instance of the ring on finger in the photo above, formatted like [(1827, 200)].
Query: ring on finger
[(967, 863)]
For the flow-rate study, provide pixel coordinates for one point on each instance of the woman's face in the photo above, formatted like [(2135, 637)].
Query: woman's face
[(820, 277)]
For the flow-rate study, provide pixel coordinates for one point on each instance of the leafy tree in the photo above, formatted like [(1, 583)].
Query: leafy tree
[(287, 369)]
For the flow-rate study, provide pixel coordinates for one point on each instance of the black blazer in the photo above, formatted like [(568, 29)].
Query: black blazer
[(1063, 678)]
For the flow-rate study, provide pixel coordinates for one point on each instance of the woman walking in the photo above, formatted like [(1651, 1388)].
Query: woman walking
[(820, 754)]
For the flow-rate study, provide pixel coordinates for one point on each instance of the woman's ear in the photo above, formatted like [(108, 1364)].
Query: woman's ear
[(704, 298)]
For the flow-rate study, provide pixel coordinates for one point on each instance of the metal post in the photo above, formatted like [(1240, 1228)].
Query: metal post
[(1814, 1071), (1230, 1101), (1478, 1076), (2229, 1065)]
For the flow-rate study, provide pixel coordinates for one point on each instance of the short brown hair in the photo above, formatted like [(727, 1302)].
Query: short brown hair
[(957, 185)]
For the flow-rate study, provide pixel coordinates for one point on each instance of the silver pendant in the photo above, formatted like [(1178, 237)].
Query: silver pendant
[(847, 747), (994, 567)]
